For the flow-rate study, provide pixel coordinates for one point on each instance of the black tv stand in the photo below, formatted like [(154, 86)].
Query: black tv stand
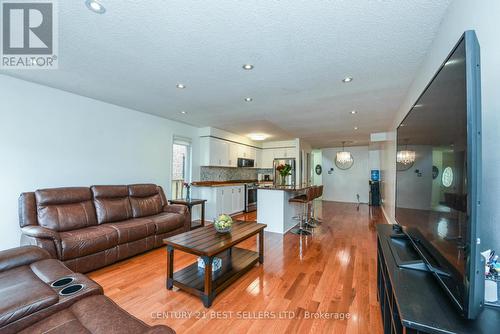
[(416, 262), (413, 302)]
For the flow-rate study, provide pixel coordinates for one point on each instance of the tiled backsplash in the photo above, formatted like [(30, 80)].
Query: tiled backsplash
[(231, 173)]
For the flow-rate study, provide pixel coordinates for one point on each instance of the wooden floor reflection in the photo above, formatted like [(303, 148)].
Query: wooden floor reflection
[(304, 280)]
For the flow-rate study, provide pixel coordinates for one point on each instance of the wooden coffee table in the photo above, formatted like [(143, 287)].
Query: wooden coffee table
[(207, 243)]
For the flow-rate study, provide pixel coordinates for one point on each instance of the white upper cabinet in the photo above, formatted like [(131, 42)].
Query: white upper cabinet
[(221, 153), (269, 154), (233, 154), (267, 158), (214, 152)]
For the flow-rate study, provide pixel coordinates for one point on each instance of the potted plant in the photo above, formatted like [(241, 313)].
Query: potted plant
[(223, 224), (284, 170)]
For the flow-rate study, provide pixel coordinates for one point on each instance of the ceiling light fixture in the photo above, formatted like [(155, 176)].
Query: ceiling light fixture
[(355, 128), (248, 99), (347, 79), (184, 112), (405, 156), (353, 112), (258, 136), (95, 6), (180, 86), (248, 67), (344, 157)]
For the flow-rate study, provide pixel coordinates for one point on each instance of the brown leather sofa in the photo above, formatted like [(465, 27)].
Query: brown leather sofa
[(89, 228), (30, 303)]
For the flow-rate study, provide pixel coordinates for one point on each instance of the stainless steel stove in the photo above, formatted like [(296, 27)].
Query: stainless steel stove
[(250, 197)]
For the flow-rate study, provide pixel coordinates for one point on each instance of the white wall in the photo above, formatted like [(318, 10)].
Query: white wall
[(317, 159), (343, 185), (51, 138), (388, 177), (482, 16)]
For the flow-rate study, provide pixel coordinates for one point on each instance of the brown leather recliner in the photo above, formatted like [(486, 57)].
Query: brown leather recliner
[(30, 304), (89, 228)]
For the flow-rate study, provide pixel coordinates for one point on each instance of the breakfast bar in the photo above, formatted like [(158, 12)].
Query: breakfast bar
[(274, 208)]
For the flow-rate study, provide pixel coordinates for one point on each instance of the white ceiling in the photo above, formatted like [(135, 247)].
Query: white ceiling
[(136, 53)]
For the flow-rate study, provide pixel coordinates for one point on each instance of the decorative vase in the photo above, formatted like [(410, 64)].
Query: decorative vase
[(283, 180)]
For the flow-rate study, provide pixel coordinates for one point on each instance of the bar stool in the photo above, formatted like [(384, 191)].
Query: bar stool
[(310, 221), (318, 194), (304, 216)]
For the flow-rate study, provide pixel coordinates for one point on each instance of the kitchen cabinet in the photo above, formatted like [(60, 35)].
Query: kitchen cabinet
[(238, 204), (269, 154), (226, 199), (267, 158), (221, 153), (214, 152), (233, 154)]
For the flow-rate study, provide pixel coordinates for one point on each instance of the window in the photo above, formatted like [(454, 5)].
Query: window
[(447, 178), (181, 165)]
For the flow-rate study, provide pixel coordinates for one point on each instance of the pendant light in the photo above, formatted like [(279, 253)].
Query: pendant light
[(406, 157), (344, 157)]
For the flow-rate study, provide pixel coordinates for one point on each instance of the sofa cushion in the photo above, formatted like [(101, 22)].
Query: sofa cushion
[(96, 314), (23, 293), (145, 200), (111, 203), (62, 322), (87, 241), (167, 221), (133, 229), (65, 209)]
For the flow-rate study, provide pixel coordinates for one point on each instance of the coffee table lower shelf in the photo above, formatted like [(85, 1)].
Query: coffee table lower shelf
[(235, 262)]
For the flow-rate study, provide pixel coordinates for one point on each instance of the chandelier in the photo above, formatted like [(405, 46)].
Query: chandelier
[(344, 157), (405, 156)]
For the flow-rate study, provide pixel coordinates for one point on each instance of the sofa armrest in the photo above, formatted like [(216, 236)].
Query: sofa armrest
[(40, 232), (181, 210), (176, 208), (21, 256), (42, 237)]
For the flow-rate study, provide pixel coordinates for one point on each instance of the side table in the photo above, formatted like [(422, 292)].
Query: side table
[(190, 203)]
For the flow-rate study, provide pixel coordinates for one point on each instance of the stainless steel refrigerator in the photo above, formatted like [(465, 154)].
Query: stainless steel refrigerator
[(290, 179)]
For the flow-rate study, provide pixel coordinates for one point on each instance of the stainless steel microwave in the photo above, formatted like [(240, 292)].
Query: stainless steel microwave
[(246, 162)]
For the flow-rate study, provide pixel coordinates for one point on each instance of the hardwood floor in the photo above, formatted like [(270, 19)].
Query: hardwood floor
[(303, 280)]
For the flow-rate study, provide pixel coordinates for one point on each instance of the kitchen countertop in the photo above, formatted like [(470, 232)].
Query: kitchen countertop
[(300, 187), (221, 183)]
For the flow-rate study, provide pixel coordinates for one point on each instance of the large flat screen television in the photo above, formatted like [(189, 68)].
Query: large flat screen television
[(438, 177)]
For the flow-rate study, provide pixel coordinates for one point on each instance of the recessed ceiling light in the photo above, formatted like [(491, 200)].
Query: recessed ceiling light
[(184, 112), (353, 112), (355, 128), (347, 79), (248, 99), (258, 136), (248, 67), (95, 6), (181, 86)]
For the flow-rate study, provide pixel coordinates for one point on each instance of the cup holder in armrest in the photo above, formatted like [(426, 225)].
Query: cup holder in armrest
[(62, 282), (72, 289)]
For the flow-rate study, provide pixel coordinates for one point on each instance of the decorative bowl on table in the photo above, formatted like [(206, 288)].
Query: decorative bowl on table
[(223, 224)]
